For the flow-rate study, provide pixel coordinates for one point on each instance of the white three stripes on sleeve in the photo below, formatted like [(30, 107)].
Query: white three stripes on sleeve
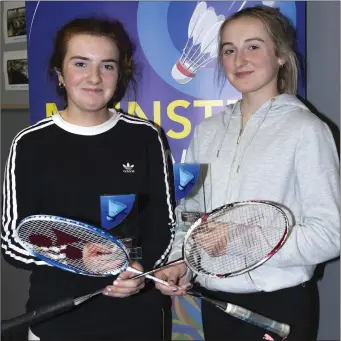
[(10, 205), (10, 208)]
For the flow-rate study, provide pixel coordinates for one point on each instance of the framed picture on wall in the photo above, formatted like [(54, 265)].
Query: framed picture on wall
[(15, 70), (14, 21)]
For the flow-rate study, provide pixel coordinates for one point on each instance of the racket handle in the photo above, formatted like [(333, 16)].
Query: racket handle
[(280, 329), (38, 314)]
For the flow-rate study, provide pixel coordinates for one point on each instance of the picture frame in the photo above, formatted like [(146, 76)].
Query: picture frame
[(15, 70), (14, 22), (14, 78)]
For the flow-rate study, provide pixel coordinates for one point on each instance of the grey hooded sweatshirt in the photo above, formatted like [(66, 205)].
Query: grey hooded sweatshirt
[(286, 155)]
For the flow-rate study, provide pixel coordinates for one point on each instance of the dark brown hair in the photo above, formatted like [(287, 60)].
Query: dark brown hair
[(112, 29), (283, 36)]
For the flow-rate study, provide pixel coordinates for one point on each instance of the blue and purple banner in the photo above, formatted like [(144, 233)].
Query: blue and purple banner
[(160, 30), (178, 88)]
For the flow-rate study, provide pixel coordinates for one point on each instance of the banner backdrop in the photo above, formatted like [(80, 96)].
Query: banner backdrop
[(171, 95)]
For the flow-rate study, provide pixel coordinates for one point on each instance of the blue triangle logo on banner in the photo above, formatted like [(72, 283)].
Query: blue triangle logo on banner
[(185, 177), (115, 209)]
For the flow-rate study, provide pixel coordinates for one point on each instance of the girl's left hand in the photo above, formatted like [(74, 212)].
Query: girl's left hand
[(123, 286)]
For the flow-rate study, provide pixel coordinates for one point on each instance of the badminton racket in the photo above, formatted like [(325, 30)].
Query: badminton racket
[(74, 246), (232, 240)]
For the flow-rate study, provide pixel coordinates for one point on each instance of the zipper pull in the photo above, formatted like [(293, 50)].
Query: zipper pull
[(239, 136), (238, 169)]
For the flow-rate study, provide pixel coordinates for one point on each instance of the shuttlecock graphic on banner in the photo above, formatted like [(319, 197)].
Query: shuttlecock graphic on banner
[(202, 43), (115, 208), (269, 3), (185, 178)]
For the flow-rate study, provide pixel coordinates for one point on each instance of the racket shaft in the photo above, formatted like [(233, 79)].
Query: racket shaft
[(37, 315), (280, 329), (155, 279), (144, 274)]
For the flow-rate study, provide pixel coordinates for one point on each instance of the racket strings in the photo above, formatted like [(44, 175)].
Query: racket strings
[(80, 249), (234, 239)]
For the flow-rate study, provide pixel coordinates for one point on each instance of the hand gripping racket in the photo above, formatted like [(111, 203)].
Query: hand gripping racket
[(234, 239)]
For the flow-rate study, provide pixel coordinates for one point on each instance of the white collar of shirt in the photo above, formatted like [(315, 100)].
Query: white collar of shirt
[(92, 130)]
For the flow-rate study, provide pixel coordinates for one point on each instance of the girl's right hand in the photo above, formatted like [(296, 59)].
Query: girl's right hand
[(175, 276)]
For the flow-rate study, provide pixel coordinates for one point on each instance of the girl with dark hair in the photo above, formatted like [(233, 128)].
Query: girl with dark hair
[(62, 165)]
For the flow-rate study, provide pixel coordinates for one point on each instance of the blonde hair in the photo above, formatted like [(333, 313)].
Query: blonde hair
[(283, 36)]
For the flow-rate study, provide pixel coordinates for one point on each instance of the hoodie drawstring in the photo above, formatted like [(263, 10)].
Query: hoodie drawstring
[(254, 134), (227, 126)]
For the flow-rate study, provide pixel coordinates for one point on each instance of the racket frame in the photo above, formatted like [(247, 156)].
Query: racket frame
[(99, 232), (231, 205)]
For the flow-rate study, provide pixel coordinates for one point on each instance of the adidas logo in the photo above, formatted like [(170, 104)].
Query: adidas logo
[(128, 168)]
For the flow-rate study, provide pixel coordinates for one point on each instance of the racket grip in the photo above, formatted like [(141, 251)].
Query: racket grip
[(37, 315), (280, 329)]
